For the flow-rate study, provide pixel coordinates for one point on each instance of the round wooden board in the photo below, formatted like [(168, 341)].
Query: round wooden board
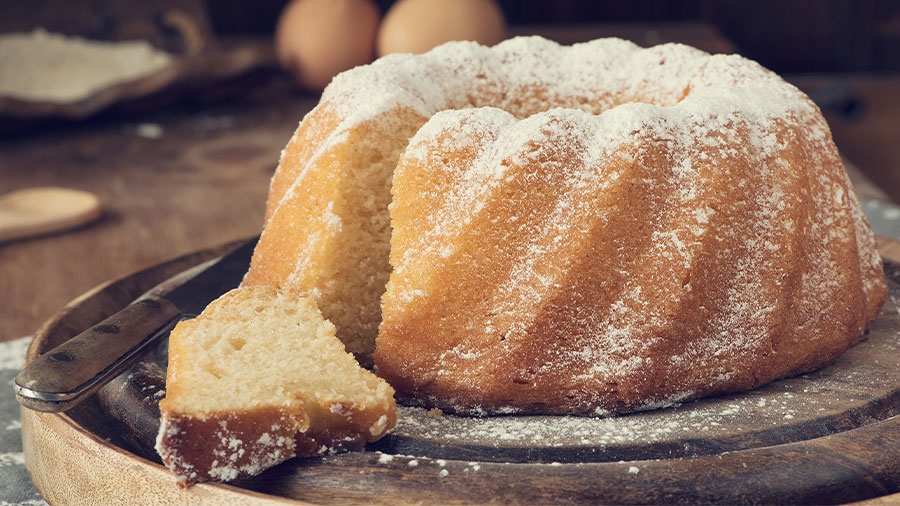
[(832, 436)]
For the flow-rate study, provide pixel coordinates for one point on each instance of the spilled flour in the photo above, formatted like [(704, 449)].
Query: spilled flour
[(43, 66)]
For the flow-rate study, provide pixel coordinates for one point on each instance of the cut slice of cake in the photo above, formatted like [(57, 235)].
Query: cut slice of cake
[(257, 378)]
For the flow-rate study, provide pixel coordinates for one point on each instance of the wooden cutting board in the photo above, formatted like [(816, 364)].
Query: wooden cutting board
[(832, 436)]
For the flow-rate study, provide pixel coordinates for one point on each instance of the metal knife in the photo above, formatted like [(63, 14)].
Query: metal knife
[(65, 375)]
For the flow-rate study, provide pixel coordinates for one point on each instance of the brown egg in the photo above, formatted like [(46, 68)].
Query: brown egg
[(415, 26), (317, 39)]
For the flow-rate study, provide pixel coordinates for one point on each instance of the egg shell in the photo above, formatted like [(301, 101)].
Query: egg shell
[(415, 26), (317, 39)]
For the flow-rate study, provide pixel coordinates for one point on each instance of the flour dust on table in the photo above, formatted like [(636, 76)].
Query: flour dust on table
[(15, 485)]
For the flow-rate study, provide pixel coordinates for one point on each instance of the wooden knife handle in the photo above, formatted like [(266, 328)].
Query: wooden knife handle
[(60, 378)]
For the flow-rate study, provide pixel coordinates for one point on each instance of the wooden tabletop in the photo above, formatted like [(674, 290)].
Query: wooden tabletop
[(170, 183)]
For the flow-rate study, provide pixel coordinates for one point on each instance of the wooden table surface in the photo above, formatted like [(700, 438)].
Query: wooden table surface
[(170, 183)]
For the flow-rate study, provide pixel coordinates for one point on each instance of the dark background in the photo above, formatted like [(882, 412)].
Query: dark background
[(844, 53), (788, 36), (784, 35)]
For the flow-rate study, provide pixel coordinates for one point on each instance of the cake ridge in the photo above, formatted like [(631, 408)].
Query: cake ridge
[(685, 222)]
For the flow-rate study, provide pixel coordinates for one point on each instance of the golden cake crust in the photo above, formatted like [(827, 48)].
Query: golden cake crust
[(549, 282), (259, 378), (586, 229)]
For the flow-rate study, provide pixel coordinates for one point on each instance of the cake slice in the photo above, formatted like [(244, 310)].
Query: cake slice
[(258, 378)]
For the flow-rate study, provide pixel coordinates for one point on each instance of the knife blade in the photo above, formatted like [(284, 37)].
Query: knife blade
[(62, 377)]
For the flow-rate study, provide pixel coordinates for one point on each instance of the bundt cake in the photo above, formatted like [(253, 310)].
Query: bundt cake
[(586, 229), (257, 378)]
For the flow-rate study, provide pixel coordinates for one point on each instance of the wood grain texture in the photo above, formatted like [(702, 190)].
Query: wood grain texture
[(203, 182), (78, 458), (80, 462)]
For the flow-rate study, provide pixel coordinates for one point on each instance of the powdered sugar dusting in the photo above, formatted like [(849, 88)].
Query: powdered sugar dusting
[(669, 141), (806, 406), (525, 75), (231, 451), (511, 201)]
